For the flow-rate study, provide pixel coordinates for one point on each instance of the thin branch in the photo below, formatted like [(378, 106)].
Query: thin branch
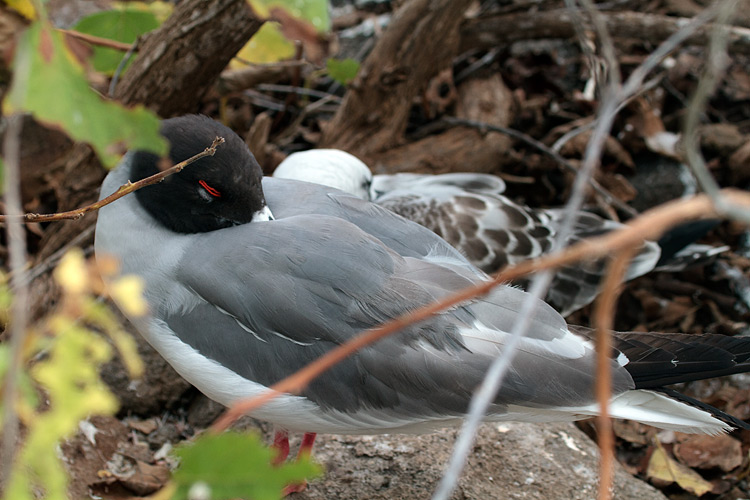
[(482, 399), (603, 320), (20, 286), (493, 380), (648, 226), (97, 40), (686, 32), (713, 71), (121, 67), (609, 198), (291, 89), (121, 191)]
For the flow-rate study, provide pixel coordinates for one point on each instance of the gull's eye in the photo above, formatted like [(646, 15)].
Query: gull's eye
[(213, 192)]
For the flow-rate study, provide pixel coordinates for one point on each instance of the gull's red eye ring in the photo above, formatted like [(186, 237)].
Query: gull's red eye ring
[(212, 191)]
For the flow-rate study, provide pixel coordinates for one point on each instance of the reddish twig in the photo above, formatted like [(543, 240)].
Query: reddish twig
[(97, 40), (121, 191), (649, 226), (603, 321)]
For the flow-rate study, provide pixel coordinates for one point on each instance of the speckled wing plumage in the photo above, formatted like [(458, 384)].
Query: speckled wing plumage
[(492, 231)]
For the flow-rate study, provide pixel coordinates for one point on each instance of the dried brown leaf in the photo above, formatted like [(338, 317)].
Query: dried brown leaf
[(708, 452)]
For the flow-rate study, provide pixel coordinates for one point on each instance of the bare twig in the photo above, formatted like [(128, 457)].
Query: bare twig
[(97, 40), (121, 67), (20, 286), (122, 191), (603, 320), (608, 197), (716, 63), (482, 399), (487, 391), (292, 90), (648, 226)]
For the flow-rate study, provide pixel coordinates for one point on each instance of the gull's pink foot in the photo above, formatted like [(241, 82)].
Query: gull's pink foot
[(281, 444)]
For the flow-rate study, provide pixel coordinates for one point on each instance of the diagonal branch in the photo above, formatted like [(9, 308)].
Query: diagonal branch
[(122, 191), (603, 322)]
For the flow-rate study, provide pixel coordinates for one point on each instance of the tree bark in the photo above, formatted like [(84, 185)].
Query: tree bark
[(180, 61), (485, 100), (421, 40)]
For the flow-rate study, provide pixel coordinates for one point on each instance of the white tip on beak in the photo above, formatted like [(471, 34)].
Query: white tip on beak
[(263, 215)]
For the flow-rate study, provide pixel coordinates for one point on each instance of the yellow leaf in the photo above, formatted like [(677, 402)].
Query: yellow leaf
[(128, 293), (71, 274), (23, 7), (663, 467), (165, 493), (162, 10), (267, 46)]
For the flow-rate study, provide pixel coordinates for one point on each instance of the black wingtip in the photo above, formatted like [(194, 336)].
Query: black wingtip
[(715, 412)]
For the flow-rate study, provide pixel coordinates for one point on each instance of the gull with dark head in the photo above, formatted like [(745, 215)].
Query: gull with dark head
[(239, 300)]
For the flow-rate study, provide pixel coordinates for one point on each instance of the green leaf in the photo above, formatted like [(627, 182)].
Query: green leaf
[(119, 25), (234, 465), (342, 70), (49, 83)]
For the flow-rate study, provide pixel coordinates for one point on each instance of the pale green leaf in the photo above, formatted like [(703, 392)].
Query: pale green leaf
[(342, 70), (123, 25), (313, 11), (234, 465)]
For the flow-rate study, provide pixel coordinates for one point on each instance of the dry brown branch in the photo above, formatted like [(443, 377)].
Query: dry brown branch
[(97, 40), (650, 225), (121, 191), (603, 321), (235, 80), (491, 31)]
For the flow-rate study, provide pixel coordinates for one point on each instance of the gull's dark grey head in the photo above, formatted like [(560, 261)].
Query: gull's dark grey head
[(212, 193)]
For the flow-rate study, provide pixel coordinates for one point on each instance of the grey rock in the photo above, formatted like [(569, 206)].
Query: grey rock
[(509, 461)]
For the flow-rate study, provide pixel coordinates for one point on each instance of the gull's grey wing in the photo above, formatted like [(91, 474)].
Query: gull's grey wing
[(405, 237), (280, 305)]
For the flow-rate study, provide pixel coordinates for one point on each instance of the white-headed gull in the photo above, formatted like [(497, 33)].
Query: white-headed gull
[(471, 213)]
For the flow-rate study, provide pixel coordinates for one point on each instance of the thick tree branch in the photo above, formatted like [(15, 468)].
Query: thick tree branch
[(491, 31), (180, 61), (421, 40)]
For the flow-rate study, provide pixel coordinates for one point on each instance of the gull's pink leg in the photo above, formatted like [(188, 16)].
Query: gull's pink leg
[(305, 450), (281, 445)]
